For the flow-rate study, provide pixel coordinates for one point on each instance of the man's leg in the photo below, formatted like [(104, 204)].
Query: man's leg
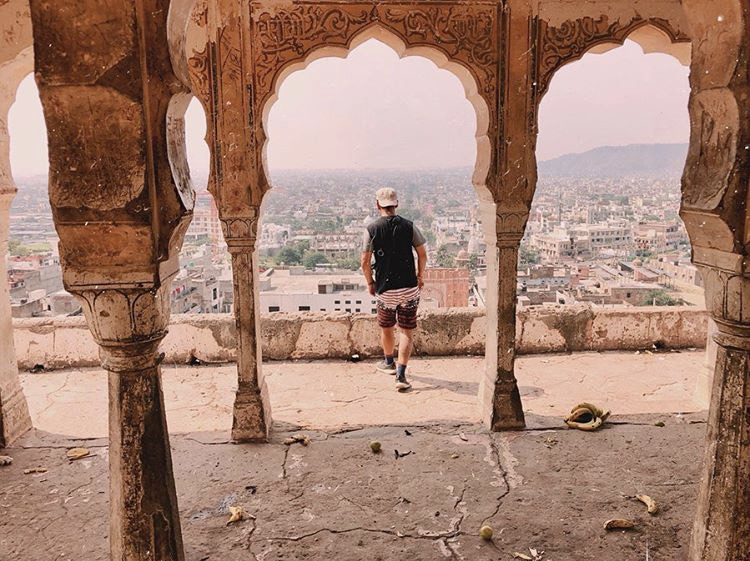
[(389, 341), (407, 322), (405, 345), (387, 323)]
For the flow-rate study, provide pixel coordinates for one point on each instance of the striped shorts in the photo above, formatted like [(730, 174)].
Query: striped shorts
[(398, 306)]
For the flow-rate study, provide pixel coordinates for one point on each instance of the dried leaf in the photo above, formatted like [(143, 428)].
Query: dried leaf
[(650, 503), (77, 453), (5, 460), (237, 513), (523, 556), (619, 524), (35, 470)]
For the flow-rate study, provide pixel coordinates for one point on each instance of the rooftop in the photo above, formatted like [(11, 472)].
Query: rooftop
[(548, 487)]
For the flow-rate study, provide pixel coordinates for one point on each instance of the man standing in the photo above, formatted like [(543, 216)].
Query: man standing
[(397, 282)]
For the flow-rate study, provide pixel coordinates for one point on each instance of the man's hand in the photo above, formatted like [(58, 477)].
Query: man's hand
[(420, 282), (371, 288)]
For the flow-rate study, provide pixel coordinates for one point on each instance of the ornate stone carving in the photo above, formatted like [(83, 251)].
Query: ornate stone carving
[(465, 33), (570, 40)]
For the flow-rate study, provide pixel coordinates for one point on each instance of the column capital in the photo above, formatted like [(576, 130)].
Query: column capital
[(126, 321), (241, 232)]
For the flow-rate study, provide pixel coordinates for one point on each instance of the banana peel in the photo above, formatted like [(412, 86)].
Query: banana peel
[(586, 417), (619, 524), (650, 503)]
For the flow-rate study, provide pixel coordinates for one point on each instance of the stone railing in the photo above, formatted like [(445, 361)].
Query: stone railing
[(66, 342)]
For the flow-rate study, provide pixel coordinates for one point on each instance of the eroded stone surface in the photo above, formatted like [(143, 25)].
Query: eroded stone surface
[(551, 490), (66, 342)]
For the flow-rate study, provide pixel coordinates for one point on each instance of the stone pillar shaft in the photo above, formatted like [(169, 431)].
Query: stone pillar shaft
[(144, 518), (14, 413), (507, 408), (722, 523), (499, 396), (252, 415)]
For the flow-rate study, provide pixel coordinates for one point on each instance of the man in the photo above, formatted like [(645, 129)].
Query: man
[(397, 282)]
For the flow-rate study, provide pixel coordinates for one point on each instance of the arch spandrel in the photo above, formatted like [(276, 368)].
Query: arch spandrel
[(237, 71), (560, 44)]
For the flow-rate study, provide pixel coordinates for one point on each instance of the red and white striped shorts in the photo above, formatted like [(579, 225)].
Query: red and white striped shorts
[(398, 306)]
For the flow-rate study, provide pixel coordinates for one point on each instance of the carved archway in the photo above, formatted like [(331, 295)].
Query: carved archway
[(562, 44), (237, 55)]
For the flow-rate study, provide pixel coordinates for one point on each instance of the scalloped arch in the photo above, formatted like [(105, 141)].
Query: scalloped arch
[(436, 56)]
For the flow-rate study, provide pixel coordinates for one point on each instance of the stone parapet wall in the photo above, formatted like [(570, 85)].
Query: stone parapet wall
[(66, 342)]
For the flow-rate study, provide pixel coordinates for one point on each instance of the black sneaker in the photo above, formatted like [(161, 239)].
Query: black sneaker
[(401, 384), (386, 368)]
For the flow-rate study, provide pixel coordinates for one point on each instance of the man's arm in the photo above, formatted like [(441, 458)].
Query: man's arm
[(421, 263), (366, 263)]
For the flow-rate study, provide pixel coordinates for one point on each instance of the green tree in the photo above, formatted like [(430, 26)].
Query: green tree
[(473, 262), (289, 255), (444, 257), (660, 297), (348, 263), (528, 256), (313, 259)]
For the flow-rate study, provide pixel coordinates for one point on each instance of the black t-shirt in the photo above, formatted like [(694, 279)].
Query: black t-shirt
[(391, 239)]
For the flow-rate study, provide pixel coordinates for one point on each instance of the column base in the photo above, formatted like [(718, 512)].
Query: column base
[(507, 410), (14, 417), (249, 416)]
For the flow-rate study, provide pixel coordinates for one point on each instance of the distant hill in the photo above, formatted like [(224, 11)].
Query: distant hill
[(649, 160)]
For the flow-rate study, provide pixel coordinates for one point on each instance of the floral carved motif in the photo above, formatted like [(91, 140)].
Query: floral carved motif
[(464, 33), (573, 38)]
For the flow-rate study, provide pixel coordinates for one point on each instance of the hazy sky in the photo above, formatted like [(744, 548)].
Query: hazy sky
[(374, 110)]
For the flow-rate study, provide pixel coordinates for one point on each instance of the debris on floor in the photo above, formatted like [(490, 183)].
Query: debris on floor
[(237, 513), (5, 460), (534, 555), (77, 453), (295, 438), (375, 446), (35, 470), (586, 417), (619, 524), (485, 532), (650, 503)]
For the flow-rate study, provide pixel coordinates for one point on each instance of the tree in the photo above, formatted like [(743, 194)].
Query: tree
[(289, 255), (473, 262), (528, 256), (313, 259), (660, 297), (444, 258), (348, 263)]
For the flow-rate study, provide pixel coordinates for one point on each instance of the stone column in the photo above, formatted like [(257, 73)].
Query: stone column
[(722, 525), (14, 413), (251, 419), (499, 396), (128, 324)]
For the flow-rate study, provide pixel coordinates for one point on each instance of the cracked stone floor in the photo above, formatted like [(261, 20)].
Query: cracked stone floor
[(547, 487)]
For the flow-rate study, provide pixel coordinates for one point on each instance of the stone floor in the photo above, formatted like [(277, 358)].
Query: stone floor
[(336, 394), (547, 488)]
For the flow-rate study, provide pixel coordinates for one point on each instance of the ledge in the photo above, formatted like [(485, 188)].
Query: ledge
[(210, 338)]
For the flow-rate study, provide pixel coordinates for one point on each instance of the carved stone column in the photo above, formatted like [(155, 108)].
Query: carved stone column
[(499, 396), (251, 418), (722, 525), (121, 200), (16, 61), (14, 413), (128, 324)]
